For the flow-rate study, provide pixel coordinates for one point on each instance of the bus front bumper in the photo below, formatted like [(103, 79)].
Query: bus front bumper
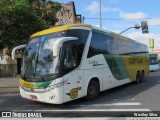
[(42, 95)]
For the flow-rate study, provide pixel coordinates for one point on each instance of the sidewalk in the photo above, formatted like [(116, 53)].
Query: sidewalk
[(9, 85)]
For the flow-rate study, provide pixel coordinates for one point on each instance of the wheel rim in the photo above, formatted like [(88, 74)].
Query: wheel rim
[(91, 90)]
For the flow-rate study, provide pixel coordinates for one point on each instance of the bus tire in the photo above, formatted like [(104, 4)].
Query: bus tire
[(142, 76), (93, 90), (138, 78)]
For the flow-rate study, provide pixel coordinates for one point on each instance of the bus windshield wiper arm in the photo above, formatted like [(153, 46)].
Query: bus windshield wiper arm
[(35, 62), (27, 70), (42, 78)]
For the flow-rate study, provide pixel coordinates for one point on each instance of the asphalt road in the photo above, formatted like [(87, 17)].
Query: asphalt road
[(130, 98), (9, 85)]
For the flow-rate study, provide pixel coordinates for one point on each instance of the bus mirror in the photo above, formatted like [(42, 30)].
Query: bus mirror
[(58, 44), (17, 48), (55, 52)]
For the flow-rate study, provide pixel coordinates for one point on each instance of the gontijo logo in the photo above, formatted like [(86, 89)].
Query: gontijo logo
[(74, 92), (135, 60)]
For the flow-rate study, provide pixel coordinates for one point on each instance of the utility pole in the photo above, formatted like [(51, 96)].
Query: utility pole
[(100, 8), (83, 19)]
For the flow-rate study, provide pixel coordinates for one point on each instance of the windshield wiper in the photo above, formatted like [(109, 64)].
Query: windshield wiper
[(35, 63), (26, 71), (42, 78)]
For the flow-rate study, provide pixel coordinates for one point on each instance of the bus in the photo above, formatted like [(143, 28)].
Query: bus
[(68, 62), (154, 64)]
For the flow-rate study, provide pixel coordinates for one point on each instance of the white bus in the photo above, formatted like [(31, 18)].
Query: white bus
[(154, 64), (65, 63)]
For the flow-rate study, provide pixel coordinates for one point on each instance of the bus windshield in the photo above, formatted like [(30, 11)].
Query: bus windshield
[(153, 59), (38, 59)]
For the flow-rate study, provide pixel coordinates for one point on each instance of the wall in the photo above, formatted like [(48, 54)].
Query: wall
[(8, 67)]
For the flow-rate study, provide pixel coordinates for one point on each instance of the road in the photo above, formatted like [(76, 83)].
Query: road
[(141, 97)]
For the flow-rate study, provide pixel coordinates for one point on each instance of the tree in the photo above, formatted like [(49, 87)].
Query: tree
[(21, 18), (46, 10)]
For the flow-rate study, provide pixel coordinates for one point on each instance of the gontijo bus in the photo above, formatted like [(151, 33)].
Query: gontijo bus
[(64, 63)]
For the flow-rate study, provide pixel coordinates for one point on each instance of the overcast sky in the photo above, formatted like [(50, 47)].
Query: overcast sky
[(118, 15)]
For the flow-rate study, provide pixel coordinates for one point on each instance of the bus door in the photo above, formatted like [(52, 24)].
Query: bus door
[(70, 73)]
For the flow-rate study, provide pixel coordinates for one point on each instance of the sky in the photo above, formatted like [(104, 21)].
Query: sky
[(118, 15)]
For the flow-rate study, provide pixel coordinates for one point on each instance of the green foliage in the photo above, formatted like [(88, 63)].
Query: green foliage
[(19, 19)]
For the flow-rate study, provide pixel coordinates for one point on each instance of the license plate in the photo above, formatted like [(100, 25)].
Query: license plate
[(33, 97)]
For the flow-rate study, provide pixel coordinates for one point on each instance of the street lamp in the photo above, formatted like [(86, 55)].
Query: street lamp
[(136, 27)]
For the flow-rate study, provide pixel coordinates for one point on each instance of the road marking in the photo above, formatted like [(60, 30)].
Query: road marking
[(96, 110), (90, 110), (113, 104)]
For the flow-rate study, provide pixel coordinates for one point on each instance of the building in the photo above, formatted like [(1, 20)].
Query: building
[(67, 14)]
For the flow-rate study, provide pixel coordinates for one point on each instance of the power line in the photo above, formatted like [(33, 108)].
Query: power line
[(154, 25), (120, 18), (124, 19)]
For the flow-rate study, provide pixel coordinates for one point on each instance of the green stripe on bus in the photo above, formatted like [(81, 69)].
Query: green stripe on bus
[(117, 66)]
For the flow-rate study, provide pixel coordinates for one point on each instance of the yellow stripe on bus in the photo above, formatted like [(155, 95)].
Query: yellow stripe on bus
[(59, 28), (26, 84)]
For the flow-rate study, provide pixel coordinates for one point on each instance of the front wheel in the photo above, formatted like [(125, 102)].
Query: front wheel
[(93, 90)]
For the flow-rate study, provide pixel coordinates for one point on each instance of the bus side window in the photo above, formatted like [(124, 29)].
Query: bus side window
[(70, 57)]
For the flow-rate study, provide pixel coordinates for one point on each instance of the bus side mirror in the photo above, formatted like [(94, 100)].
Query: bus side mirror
[(17, 48), (58, 44), (55, 49)]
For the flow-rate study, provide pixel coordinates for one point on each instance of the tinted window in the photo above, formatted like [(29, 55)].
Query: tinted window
[(102, 43), (82, 35), (70, 57), (123, 47), (115, 46), (98, 44), (110, 44)]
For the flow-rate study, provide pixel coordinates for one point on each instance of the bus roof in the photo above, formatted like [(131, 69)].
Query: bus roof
[(66, 27), (59, 28)]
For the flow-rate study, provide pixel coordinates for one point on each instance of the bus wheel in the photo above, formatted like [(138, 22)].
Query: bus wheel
[(93, 90), (142, 76), (138, 78)]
